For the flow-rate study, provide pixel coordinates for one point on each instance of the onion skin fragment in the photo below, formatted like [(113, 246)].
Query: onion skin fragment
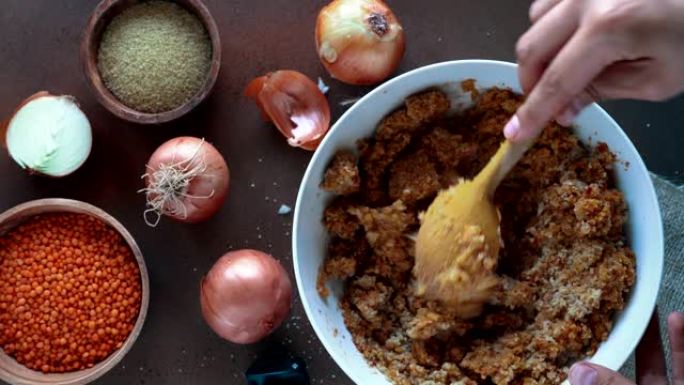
[(294, 104)]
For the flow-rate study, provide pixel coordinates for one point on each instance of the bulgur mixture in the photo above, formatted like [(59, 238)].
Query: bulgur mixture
[(564, 269)]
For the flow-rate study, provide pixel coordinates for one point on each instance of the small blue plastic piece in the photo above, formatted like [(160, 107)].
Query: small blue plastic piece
[(277, 369)]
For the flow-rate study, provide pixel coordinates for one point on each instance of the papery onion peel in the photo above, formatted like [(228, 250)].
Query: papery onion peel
[(295, 104)]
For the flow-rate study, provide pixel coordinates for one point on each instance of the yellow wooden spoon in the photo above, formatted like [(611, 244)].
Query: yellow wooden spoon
[(458, 241)]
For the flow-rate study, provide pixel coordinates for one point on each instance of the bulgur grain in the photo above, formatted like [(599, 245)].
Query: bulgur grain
[(154, 56)]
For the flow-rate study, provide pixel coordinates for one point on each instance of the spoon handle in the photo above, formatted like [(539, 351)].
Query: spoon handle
[(506, 157)]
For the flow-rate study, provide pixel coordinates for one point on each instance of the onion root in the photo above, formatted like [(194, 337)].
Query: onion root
[(167, 191)]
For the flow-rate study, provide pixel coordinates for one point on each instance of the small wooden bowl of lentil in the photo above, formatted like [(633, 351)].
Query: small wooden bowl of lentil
[(153, 61), (74, 293)]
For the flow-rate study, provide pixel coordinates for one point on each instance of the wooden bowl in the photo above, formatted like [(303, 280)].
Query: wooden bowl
[(13, 372), (99, 20)]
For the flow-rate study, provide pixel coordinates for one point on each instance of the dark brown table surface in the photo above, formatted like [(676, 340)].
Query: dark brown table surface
[(39, 42)]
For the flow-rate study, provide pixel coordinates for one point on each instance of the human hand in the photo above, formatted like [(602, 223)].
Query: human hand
[(581, 51), (650, 359)]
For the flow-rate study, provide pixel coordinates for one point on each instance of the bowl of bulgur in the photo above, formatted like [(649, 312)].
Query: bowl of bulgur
[(582, 255), (151, 62), (74, 292)]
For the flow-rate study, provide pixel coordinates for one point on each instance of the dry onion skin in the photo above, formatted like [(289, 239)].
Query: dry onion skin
[(187, 179), (246, 295), (295, 104), (48, 135), (359, 42)]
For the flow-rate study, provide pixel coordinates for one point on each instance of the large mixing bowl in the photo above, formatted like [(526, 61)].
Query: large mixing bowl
[(644, 227)]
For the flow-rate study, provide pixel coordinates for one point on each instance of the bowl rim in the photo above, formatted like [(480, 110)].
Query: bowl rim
[(58, 205), (297, 216), (90, 42)]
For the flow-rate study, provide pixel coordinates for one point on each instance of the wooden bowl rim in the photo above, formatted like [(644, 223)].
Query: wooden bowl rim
[(88, 52), (56, 205)]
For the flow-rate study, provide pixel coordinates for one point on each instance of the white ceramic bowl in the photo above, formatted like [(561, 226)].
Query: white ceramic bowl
[(309, 239)]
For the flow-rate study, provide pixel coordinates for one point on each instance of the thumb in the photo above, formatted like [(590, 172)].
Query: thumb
[(584, 373)]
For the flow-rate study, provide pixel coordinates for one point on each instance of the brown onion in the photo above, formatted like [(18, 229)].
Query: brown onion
[(187, 179), (359, 41), (295, 104), (245, 296)]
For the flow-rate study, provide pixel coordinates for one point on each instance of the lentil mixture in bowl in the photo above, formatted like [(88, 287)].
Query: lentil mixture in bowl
[(71, 289), (573, 279), (565, 269)]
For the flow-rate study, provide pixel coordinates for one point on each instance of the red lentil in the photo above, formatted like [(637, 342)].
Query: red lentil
[(60, 309)]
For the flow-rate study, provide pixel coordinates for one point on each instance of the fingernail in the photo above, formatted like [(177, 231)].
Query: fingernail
[(512, 128), (582, 374), (567, 117)]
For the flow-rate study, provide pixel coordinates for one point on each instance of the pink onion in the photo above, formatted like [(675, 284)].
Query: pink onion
[(245, 296), (187, 180)]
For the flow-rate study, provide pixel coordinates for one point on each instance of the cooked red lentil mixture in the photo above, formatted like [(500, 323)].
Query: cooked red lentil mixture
[(564, 269), (70, 292)]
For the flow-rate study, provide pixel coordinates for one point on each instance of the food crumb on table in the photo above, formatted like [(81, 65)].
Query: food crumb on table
[(284, 209), (322, 86)]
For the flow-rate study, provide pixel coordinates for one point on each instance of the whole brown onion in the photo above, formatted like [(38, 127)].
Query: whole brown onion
[(359, 41), (245, 296), (187, 179)]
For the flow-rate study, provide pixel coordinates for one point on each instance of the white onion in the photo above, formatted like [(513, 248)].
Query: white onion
[(48, 135)]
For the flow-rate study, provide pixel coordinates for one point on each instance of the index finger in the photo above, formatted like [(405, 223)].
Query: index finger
[(537, 47), (580, 61), (650, 359), (675, 323)]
